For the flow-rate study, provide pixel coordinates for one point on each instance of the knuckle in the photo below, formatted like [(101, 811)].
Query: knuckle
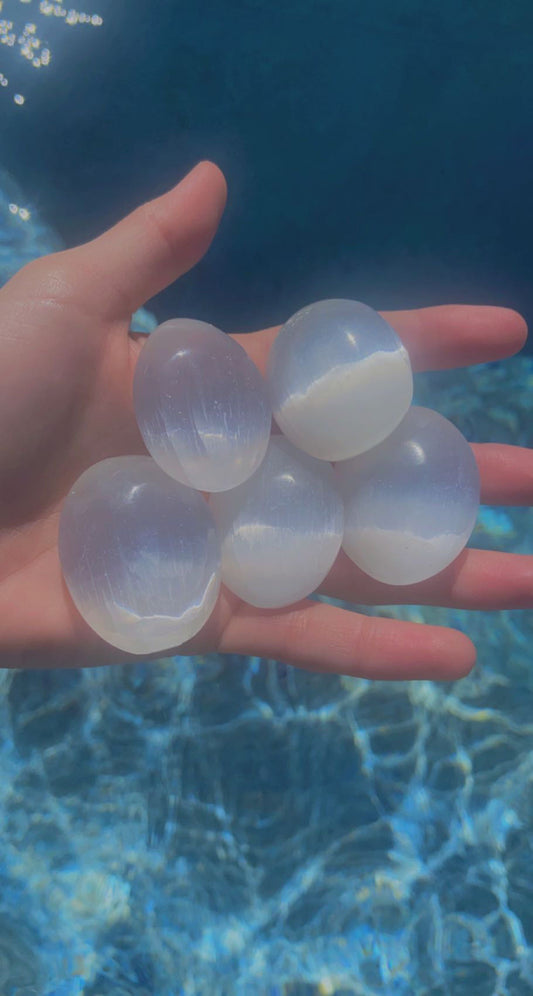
[(297, 624), (364, 644), (48, 277)]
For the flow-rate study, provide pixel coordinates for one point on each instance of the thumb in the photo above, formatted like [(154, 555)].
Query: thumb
[(152, 246)]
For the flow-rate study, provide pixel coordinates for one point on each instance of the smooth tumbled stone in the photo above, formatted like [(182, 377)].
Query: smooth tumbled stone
[(339, 379), (201, 405), (140, 555), (281, 530), (411, 503)]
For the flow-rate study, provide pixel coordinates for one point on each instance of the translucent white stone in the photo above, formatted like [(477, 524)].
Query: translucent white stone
[(339, 379), (139, 554), (281, 530), (201, 405), (411, 502)]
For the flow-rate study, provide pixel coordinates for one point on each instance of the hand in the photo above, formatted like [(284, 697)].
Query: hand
[(67, 359)]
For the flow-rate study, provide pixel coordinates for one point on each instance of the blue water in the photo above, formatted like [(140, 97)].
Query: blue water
[(373, 149), (224, 826)]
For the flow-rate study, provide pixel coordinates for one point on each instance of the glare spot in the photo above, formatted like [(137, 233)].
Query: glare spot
[(29, 37), (22, 212)]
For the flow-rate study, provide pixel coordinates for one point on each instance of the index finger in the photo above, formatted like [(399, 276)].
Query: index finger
[(436, 338)]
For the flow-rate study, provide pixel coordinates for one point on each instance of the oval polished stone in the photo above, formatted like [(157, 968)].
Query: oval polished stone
[(281, 530), (201, 405), (411, 502), (339, 379), (139, 554)]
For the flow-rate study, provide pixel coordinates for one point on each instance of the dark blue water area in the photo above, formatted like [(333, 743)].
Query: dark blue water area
[(375, 150), (226, 826)]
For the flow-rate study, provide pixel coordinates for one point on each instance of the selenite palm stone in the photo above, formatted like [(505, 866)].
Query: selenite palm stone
[(140, 555), (411, 502), (339, 379), (201, 405), (281, 530)]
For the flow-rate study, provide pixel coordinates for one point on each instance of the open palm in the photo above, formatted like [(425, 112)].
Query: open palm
[(67, 359)]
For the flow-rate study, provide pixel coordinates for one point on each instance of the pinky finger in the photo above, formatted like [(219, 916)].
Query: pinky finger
[(321, 637)]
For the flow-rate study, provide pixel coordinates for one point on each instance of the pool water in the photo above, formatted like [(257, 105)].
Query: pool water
[(230, 826), (373, 149)]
